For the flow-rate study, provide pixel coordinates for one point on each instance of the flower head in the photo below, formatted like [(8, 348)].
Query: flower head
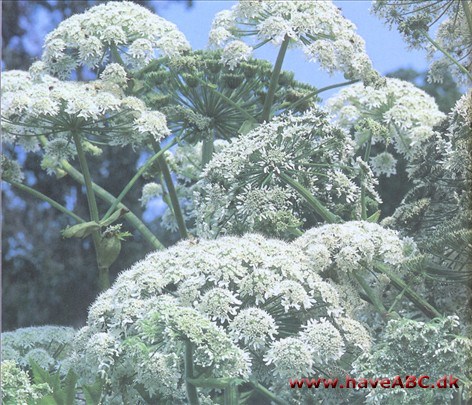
[(398, 112), (122, 32), (317, 27)]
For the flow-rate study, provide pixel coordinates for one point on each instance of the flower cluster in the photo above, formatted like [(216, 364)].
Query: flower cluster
[(243, 306), (49, 346), (343, 251), (436, 211), (415, 20), (122, 32), (98, 109), (246, 186), (398, 113), (317, 27), (409, 347), (17, 388)]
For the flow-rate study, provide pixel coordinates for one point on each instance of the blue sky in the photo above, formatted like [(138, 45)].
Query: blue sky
[(385, 47)]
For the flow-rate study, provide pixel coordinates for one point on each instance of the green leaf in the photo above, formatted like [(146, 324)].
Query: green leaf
[(93, 392), (80, 230), (40, 375), (114, 217), (70, 387), (247, 126), (374, 217), (46, 400)]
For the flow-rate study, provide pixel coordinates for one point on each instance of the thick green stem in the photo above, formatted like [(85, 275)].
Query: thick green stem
[(92, 203), (135, 178), (45, 198), (207, 148), (319, 208), (116, 55), (192, 394), (447, 54), (378, 304), (266, 393), (231, 394), (274, 80), (103, 271), (363, 188), (171, 190), (468, 15), (400, 285), (109, 198)]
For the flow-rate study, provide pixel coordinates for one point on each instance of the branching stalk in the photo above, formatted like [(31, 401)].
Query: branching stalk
[(447, 54), (109, 198), (319, 208), (400, 285), (45, 198), (135, 178)]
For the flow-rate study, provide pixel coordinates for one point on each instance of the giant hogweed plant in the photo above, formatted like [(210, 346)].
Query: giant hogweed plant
[(235, 145)]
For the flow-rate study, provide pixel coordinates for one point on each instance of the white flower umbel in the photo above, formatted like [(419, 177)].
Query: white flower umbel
[(355, 249), (407, 347), (55, 108), (236, 299), (404, 114), (17, 387), (415, 20), (316, 27), (243, 186), (120, 32), (47, 345), (384, 163)]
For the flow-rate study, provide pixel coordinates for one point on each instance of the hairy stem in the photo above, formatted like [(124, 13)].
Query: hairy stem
[(274, 80), (171, 190)]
